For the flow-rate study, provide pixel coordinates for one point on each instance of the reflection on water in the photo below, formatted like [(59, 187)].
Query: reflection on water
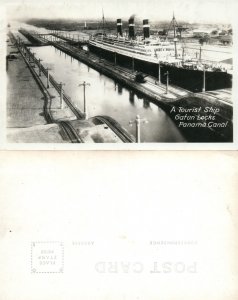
[(132, 97), (119, 89), (146, 103), (106, 97)]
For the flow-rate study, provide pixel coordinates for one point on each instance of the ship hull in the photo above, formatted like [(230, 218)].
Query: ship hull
[(189, 79)]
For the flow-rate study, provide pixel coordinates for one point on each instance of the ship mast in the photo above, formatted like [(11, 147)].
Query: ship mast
[(173, 25), (103, 23)]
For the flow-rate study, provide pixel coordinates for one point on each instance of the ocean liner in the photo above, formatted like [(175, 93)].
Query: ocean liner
[(160, 58)]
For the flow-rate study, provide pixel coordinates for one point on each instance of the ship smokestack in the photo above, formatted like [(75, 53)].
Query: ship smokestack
[(119, 27), (131, 28), (146, 28)]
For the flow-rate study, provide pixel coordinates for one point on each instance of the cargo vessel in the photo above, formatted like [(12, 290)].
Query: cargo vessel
[(159, 57)]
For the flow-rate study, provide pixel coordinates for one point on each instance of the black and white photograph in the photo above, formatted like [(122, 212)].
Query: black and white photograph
[(151, 72)]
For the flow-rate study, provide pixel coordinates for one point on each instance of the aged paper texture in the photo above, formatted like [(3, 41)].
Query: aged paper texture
[(118, 225), (129, 75)]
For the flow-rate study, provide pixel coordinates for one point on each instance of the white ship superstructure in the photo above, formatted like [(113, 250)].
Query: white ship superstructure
[(147, 48), (151, 50)]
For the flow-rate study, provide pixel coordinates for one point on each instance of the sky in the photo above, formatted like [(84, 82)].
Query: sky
[(210, 11)]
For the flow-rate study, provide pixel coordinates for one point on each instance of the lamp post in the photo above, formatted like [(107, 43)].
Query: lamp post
[(167, 82), (39, 64), (33, 59), (183, 55), (159, 73), (138, 122), (29, 53), (19, 42), (84, 84), (175, 46), (204, 80), (133, 64), (48, 77), (24, 51), (61, 95)]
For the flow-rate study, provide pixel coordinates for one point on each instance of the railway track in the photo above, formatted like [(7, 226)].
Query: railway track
[(149, 81), (70, 132), (124, 136), (170, 90)]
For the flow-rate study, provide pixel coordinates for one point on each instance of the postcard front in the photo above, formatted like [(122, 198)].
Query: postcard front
[(148, 74)]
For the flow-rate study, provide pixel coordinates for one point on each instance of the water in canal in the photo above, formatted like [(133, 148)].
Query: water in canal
[(106, 97)]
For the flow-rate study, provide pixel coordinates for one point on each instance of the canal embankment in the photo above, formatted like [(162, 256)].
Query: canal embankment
[(55, 108), (25, 104)]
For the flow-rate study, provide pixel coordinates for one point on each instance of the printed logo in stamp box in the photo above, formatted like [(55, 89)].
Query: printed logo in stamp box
[(47, 257)]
